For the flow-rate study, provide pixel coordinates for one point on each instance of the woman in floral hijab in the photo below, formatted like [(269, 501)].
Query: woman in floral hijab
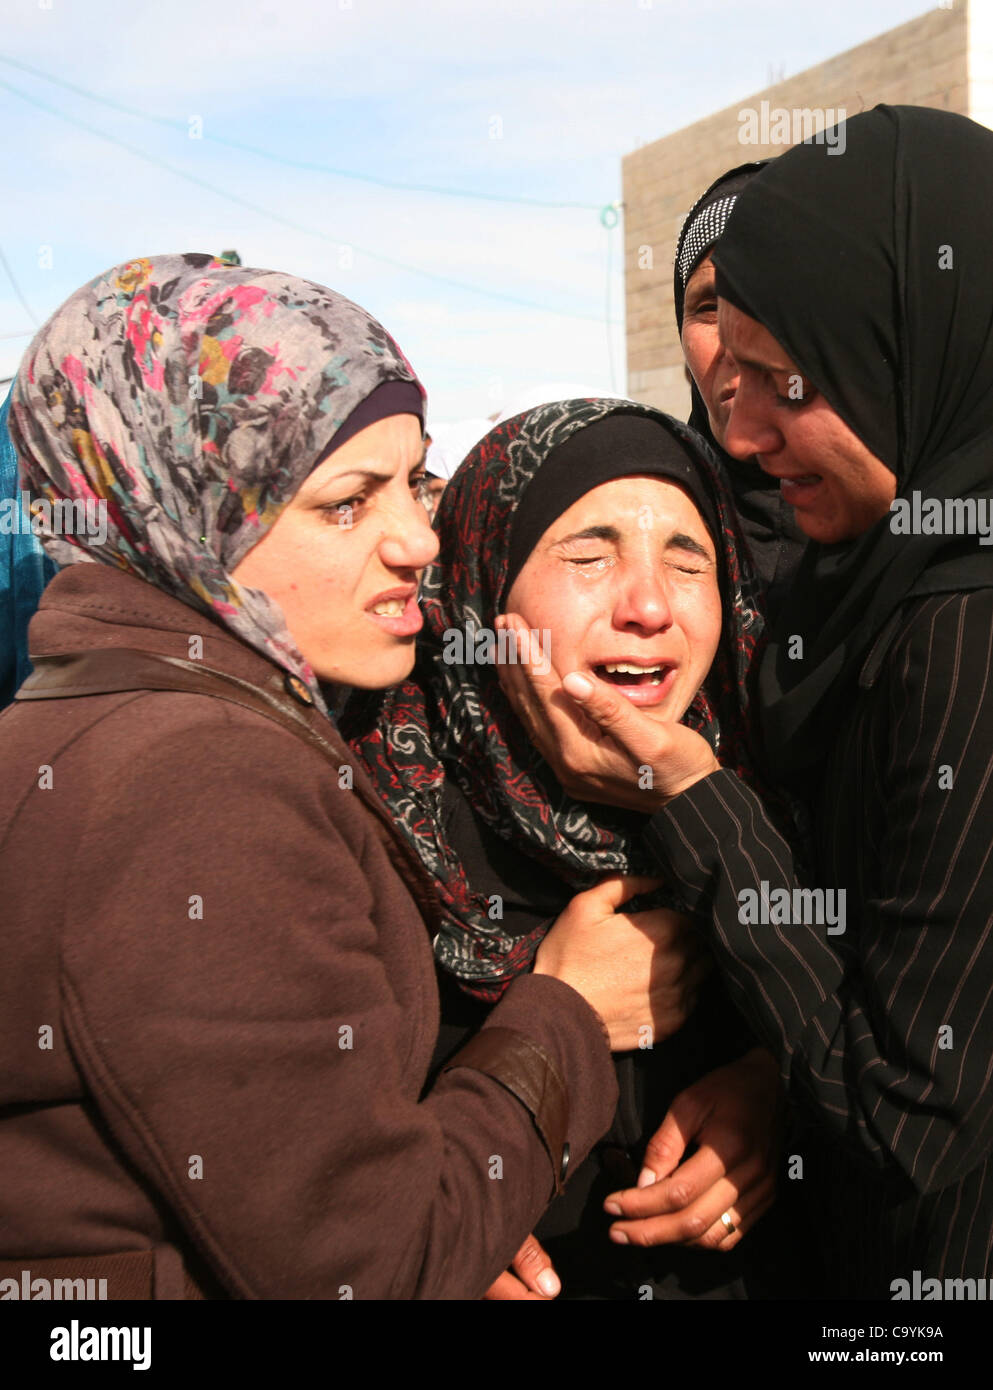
[(193, 415), (217, 1003)]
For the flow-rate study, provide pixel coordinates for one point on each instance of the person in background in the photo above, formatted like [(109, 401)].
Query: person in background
[(434, 486), (447, 446), (25, 569), (775, 541)]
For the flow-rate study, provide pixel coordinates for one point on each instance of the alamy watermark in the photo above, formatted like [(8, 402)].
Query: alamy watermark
[(819, 907), (942, 516), (781, 125), (921, 1288), (84, 1343), (66, 516), (481, 646), (41, 1289)]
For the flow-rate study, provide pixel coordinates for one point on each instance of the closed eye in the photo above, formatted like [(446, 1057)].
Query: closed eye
[(593, 563)]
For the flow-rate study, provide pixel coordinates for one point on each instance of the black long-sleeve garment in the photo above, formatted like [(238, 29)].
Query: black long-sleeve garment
[(574, 1229), (886, 1031)]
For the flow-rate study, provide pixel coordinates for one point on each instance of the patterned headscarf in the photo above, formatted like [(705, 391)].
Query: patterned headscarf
[(704, 227), (192, 399), (454, 721)]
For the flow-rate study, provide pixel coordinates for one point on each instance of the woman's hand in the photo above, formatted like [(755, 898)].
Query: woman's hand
[(600, 747), (735, 1116), (640, 971), (530, 1277)]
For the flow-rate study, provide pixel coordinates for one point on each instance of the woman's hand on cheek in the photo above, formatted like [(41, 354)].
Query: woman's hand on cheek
[(734, 1115), (598, 745)]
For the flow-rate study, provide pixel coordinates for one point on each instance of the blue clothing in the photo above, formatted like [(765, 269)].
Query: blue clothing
[(25, 569)]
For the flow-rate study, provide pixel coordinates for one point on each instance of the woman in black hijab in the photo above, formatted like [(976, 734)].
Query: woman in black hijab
[(882, 293), (857, 298), (773, 538)]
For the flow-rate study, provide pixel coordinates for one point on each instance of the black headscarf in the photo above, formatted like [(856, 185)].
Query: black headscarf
[(874, 272), (614, 447), (701, 230), (774, 539)]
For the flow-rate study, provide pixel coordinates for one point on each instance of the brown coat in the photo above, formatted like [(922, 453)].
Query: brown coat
[(218, 1002)]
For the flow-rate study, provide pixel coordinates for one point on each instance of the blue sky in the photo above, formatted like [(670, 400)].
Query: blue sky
[(517, 99)]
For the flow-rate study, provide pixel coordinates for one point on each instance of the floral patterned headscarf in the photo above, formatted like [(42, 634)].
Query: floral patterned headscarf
[(454, 721), (193, 398)]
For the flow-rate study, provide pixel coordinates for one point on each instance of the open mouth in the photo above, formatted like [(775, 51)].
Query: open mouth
[(398, 613), (796, 490), (628, 673), (644, 683)]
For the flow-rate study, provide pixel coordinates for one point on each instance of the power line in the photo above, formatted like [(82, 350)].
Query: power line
[(309, 165), (290, 222)]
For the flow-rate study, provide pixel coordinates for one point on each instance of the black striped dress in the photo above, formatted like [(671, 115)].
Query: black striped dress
[(885, 1031)]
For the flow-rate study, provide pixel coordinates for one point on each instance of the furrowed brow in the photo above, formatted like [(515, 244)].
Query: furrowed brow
[(370, 475), (593, 533), (362, 474), (680, 541)]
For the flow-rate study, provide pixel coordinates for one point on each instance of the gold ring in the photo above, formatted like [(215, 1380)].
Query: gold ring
[(728, 1224)]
